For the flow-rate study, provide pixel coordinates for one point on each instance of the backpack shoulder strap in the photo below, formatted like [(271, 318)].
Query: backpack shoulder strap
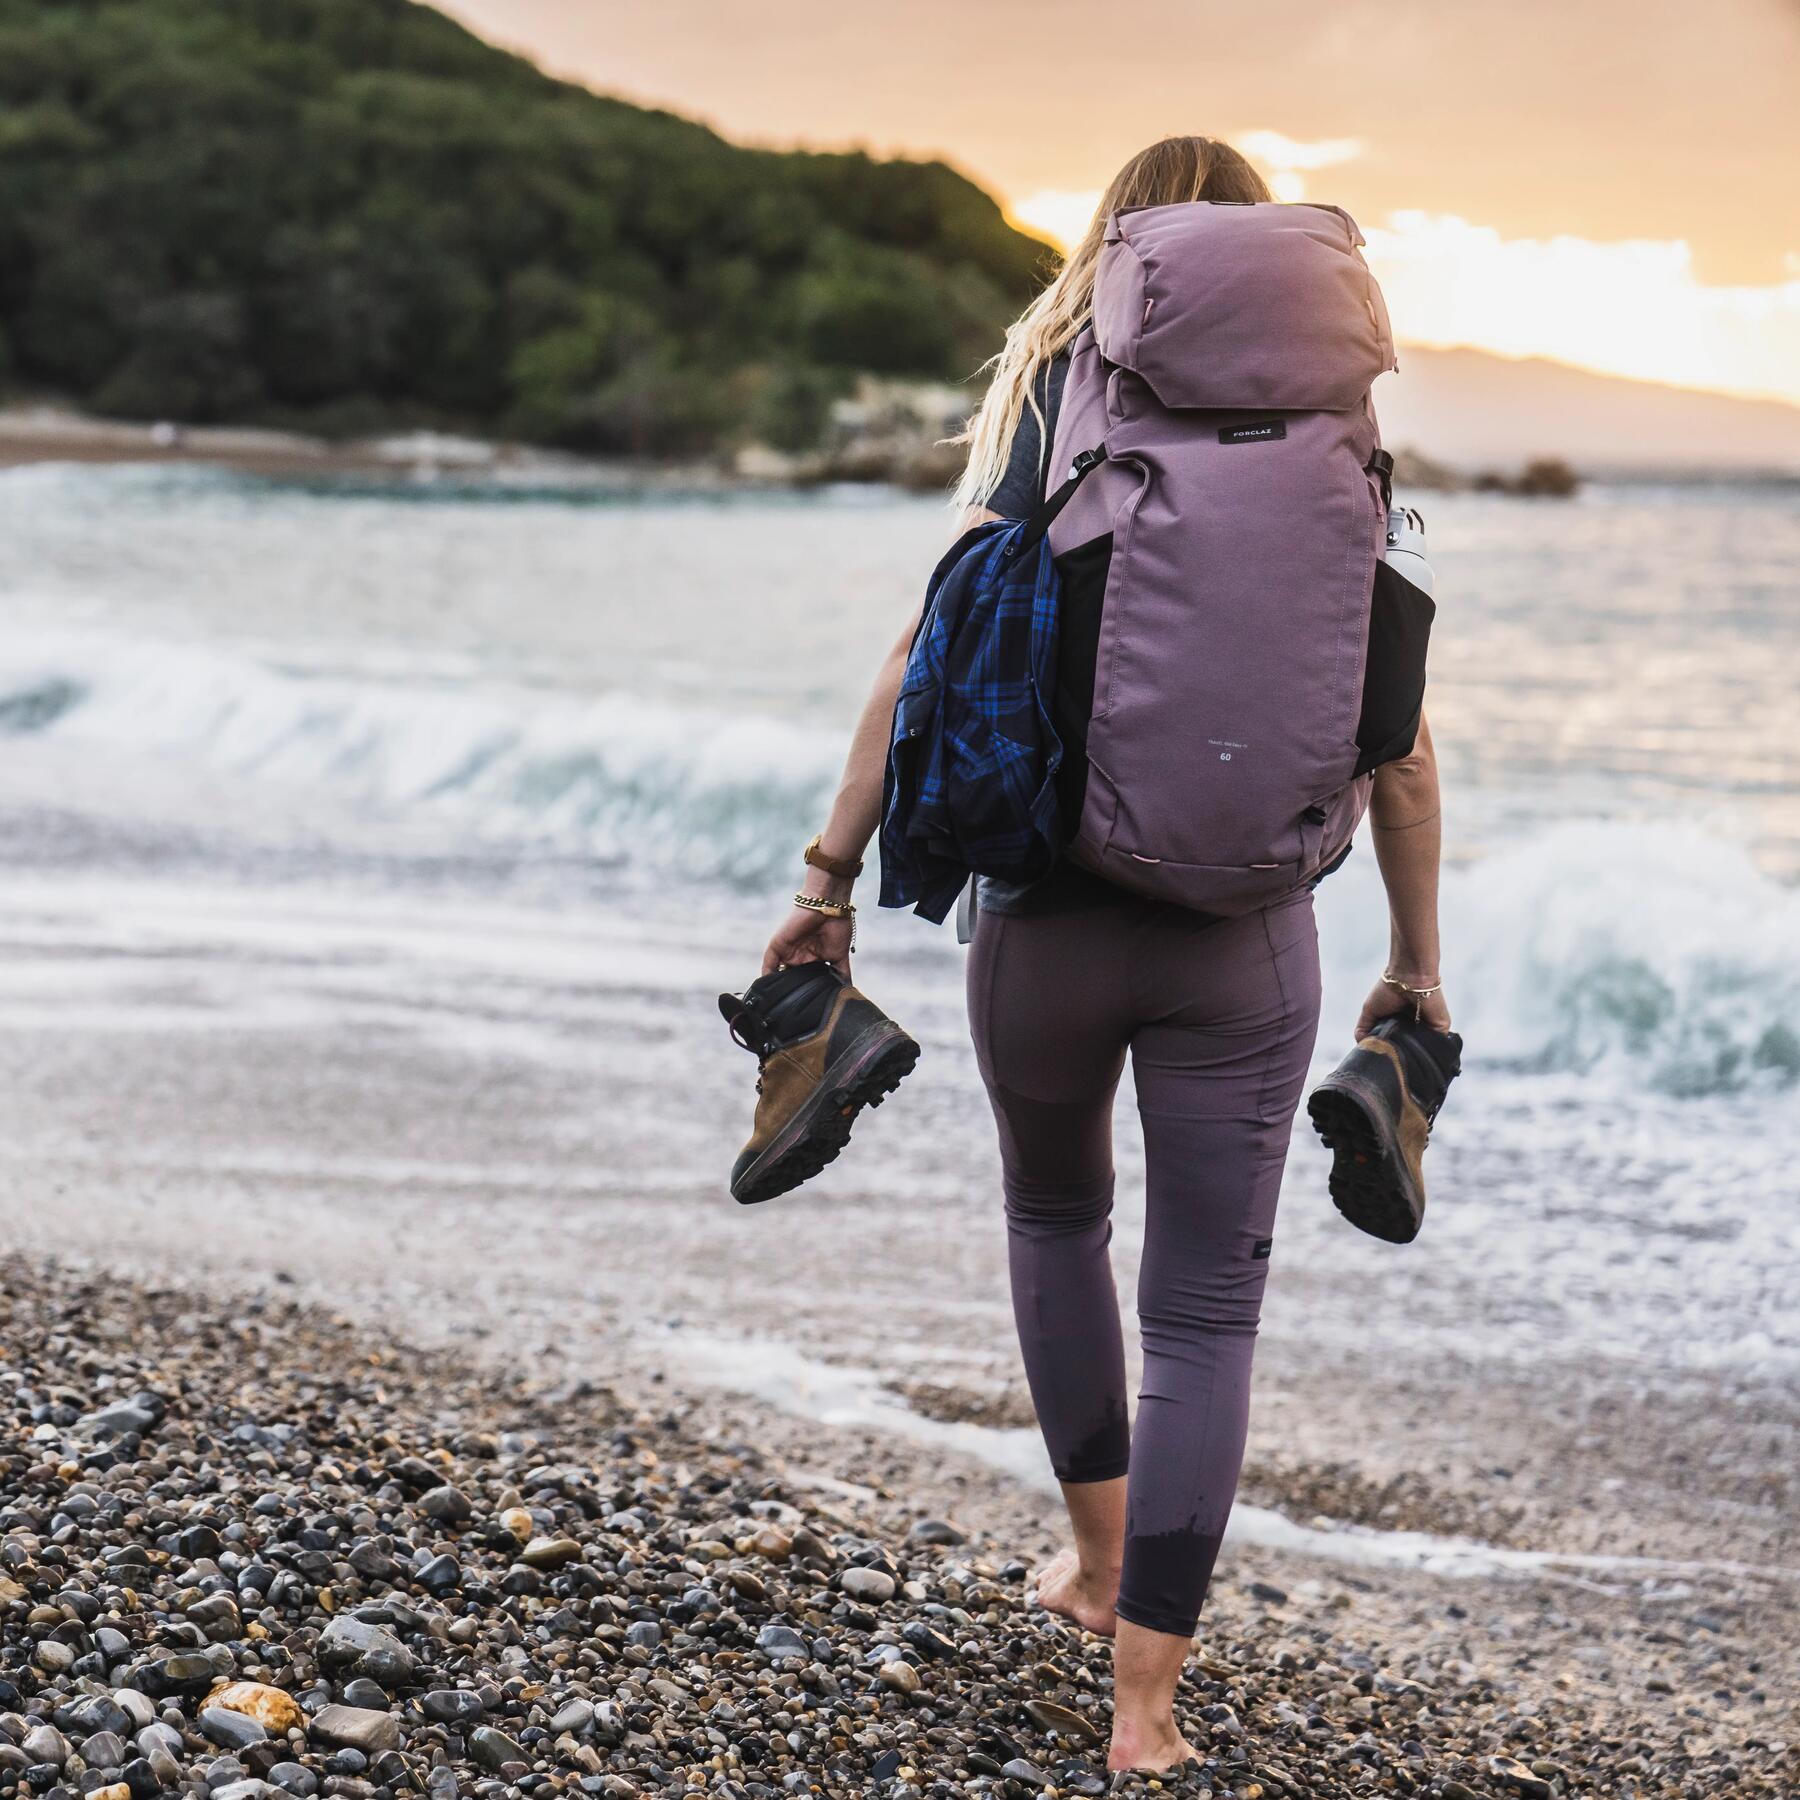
[(1045, 516)]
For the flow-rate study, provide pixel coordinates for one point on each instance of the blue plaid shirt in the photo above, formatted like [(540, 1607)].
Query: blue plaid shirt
[(972, 763)]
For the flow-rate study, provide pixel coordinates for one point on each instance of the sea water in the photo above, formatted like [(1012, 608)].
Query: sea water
[(478, 739)]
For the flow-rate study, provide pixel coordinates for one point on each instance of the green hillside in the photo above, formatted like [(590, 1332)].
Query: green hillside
[(345, 214)]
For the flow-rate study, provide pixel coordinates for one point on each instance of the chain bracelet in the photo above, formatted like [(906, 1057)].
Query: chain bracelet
[(830, 909), (1418, 995)]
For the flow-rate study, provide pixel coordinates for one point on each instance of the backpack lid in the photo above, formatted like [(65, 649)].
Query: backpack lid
[(1229, 305)]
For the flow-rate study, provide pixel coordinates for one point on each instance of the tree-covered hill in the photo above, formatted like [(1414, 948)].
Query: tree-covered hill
[(345, 213)]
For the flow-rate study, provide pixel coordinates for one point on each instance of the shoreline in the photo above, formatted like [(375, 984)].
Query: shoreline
[(667, 1558), (43, 434), (402, 1125), (49, 435)]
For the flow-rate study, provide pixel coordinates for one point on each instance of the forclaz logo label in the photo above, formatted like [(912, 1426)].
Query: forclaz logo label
[(1253, 434)]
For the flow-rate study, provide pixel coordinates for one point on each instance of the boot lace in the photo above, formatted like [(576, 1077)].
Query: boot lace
[(750, 1029)]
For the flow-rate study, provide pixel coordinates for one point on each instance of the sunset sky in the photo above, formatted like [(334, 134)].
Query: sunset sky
[(1613, 183)]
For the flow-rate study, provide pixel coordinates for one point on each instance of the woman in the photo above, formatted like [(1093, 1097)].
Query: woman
[(1219, 1017)]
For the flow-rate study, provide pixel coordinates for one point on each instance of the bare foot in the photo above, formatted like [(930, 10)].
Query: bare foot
[(1064, 1587), (1148, 1751)]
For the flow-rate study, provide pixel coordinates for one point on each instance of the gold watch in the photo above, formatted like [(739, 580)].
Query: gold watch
[(816, 858)]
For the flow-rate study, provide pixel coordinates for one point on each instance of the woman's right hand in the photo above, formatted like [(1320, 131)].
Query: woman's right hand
[(808, 936)]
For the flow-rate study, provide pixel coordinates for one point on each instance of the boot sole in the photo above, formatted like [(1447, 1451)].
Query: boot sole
[(1370, 1182), (864, 1075)]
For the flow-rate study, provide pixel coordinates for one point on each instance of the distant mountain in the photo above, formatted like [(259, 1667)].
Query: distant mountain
[(1475, 411), (349, 214)]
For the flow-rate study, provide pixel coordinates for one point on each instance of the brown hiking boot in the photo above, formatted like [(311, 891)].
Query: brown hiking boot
[(1375, 1112), (826, 1051)]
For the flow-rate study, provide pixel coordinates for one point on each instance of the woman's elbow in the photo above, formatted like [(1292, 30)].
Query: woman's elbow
[(1418, 765), (1409, 781), (1416, 769)]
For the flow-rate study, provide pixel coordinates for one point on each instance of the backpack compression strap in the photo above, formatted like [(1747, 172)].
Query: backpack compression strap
[(1381, 466), (1045, 516)]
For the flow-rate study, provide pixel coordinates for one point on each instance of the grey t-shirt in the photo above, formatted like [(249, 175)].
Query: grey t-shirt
[(1021, 488)]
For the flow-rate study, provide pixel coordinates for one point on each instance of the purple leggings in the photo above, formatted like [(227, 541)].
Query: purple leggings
[(1219, 1017)]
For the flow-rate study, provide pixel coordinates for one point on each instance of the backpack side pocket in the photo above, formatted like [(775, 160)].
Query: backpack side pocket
[(1393, 695), (1082, 572)]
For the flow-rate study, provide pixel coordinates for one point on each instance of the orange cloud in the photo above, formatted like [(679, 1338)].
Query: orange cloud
[(1634, 308)]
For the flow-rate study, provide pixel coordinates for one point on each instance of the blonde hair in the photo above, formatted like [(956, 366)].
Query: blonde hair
[(1176, 169)]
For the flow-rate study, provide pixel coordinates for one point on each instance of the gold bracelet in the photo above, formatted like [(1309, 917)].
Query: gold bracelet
[(1417, 995), (830, 909)]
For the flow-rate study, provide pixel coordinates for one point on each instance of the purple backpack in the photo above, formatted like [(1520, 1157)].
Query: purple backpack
[(1234, 655)]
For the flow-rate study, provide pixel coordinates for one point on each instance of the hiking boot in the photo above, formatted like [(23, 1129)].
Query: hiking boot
[(1375, 1112), (826, 1052)]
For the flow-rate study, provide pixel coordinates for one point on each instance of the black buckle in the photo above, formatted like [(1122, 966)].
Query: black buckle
[(1086, 461)]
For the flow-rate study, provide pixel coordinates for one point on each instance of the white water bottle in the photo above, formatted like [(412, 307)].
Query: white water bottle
[(1405, 550)]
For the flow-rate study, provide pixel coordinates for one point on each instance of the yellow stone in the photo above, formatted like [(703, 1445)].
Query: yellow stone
[(518, 1521), (116, 1791), (327, 1600), (274, 1709), (901, 1676)]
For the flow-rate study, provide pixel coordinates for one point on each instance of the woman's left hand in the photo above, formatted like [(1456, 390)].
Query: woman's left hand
[(1385, 1001)]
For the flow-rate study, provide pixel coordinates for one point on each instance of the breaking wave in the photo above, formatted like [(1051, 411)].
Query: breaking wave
[(1659, 952), (614, 777)]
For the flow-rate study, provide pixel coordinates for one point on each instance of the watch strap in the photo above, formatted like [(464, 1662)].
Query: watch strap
[(816, 858)]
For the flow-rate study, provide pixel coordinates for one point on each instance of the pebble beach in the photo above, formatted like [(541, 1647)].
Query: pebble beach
[(249, 1551)]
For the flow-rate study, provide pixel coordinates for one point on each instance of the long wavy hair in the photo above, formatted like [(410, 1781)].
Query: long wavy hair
[(1174, 170)]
